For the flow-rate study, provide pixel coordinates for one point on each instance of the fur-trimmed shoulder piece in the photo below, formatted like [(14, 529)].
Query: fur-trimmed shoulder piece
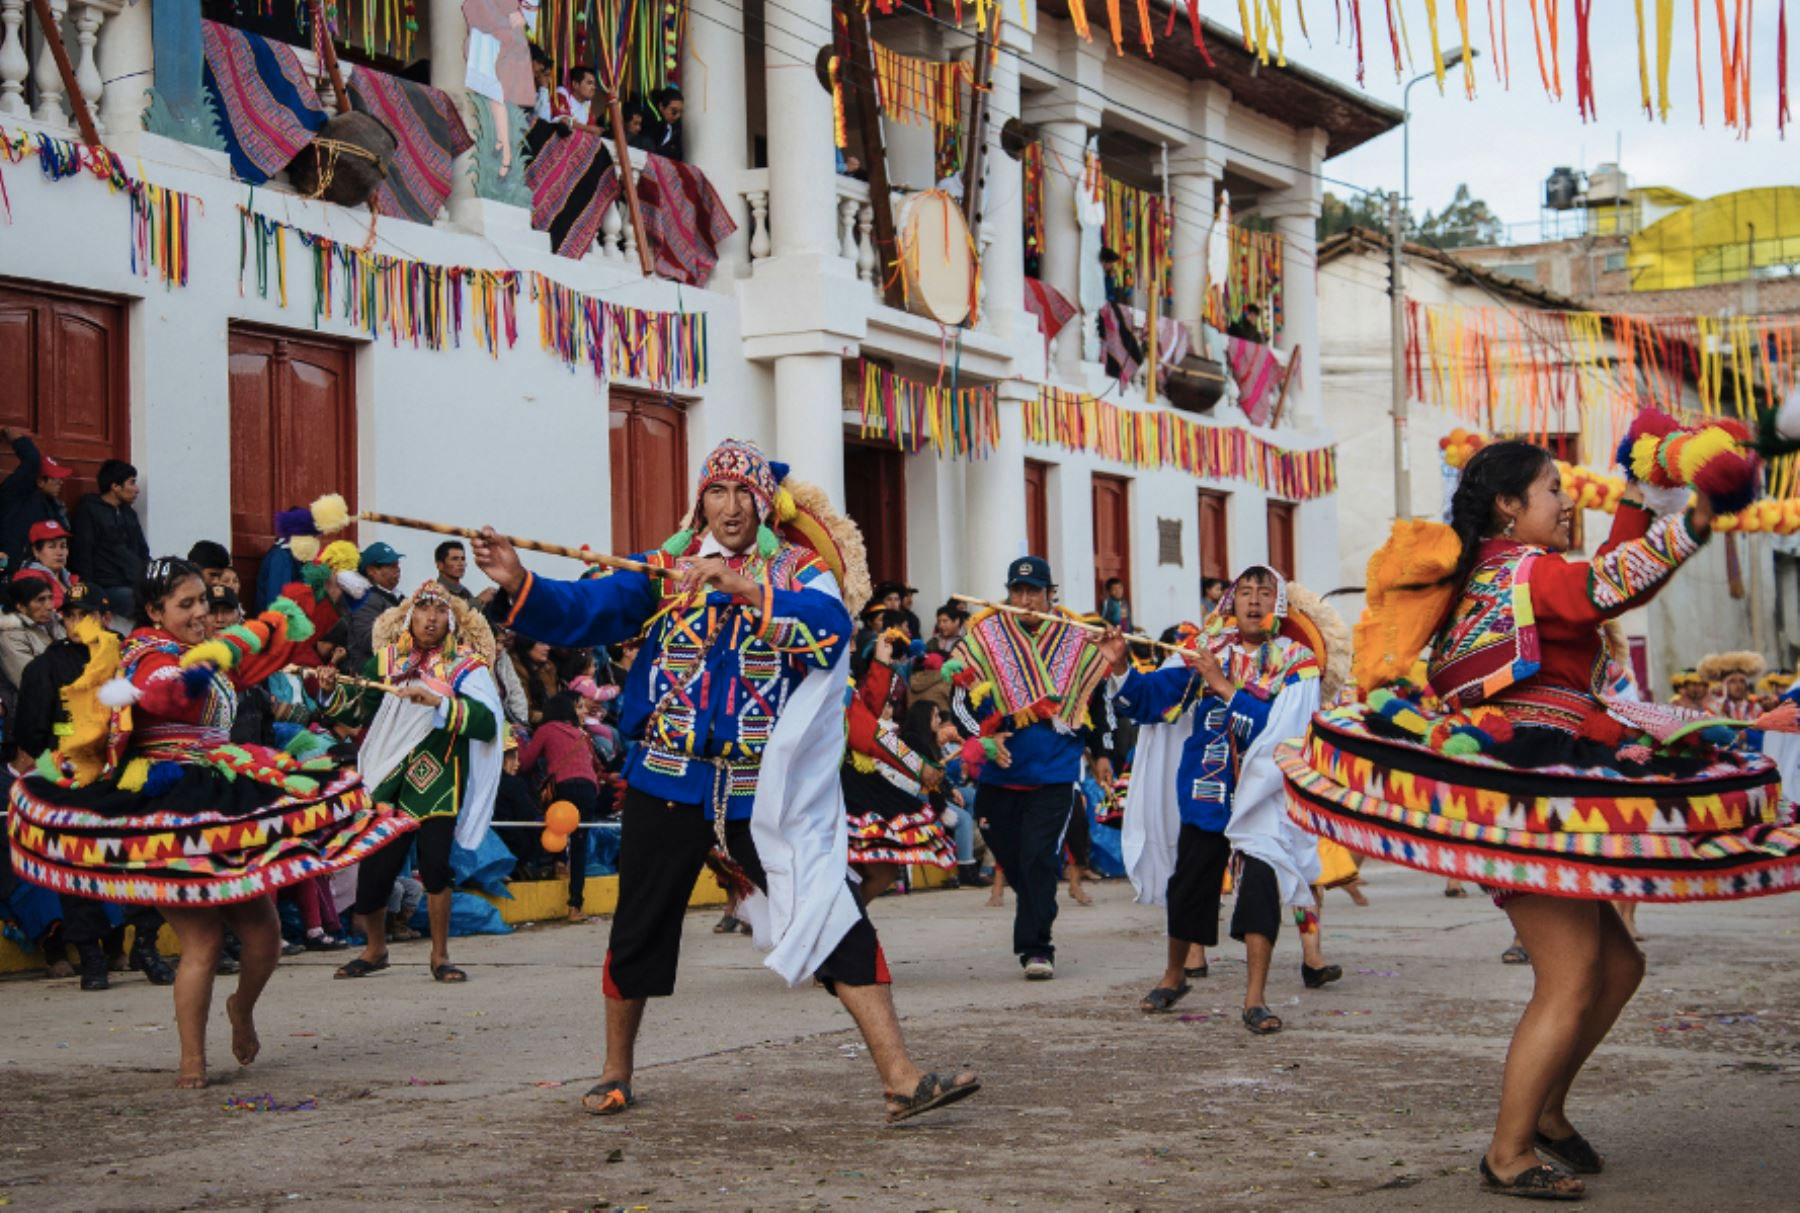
[(1716, 666), (472, 630), (838, 541), (1333, 647)]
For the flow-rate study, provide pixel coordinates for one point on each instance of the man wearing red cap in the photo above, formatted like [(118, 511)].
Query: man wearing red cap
[(31, 493)]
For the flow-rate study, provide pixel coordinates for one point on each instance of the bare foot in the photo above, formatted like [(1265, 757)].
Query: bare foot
[(995, 903), (193, 1076), (244, 1043)]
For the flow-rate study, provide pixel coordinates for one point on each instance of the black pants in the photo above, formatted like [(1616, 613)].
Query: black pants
[(1258, 909), (84, 920), (663, 844), (1196, 884), (1079, 841), (584, 794), (1025, 832), (375, 878)]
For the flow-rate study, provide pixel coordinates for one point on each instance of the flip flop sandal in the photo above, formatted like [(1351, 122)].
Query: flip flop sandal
[(1537, 1183), (933, 1091), (361, 968), (448, 973), (1196, 971), (1515, 955), (1573, 1151), (608, 1098), (1162, 998), (1262, 1021)]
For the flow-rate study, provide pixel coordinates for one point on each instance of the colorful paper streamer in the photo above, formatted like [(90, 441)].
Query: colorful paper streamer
[(961, 422), (666, 350)]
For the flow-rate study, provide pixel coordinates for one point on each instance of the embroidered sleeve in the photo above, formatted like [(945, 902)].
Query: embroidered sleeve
[(355, 706), (1247, 714), (581, 614), (810, 624), (1624, 574), (1159, 697)]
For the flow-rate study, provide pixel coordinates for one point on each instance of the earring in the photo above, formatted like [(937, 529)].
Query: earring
[(1507, 530)]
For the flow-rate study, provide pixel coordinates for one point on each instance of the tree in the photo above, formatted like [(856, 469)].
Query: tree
[(1337, 214), (1466, 221)]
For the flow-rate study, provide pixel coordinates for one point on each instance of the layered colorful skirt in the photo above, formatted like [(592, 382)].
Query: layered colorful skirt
[(904, 838), (1707, 830), (204, 839)]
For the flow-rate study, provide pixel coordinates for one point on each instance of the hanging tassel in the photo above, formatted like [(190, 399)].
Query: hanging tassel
[(767, 544), (679, 542)]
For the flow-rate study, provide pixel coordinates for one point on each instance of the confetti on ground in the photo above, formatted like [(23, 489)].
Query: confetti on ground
[(1343, 1012), (1195, 1018), (547, 1084), (267, 1103), (427, 1082), (1378, 972), (744, 1116), (302, 1033)]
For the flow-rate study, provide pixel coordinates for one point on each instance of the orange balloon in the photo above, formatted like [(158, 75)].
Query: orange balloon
[(563, 817), (554, 842)]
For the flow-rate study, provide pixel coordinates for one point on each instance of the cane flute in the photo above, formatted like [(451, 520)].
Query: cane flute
[(586, 555), (1091, 629), (373, 684)]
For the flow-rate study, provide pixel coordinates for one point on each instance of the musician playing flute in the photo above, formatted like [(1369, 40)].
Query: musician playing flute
[(736, 705), (1030, 690)]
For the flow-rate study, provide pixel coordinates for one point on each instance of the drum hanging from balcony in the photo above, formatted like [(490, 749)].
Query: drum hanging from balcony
[(938, 264)]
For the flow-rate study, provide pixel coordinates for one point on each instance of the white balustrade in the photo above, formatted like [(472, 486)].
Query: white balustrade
[(611, 222), (88, 19), (48, 79), (14, 64)]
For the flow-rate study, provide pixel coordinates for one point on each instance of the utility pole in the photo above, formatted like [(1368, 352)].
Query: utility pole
[(1397, 343)]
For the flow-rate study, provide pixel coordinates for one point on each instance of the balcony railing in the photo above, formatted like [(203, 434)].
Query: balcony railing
[(109, 66)]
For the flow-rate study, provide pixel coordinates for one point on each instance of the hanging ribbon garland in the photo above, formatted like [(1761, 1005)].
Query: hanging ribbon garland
[(413, 301), (1152, 439), (159, 215), (911, 90), (963, 423), (635, 44), (666, 350), (1540, 373)]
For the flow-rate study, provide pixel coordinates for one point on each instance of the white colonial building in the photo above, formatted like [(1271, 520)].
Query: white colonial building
[(234, 402)]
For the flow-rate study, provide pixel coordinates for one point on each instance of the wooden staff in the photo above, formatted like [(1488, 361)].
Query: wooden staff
[(554, 549), (622, 150), (1092, 629), (329, 62), (373, 684)]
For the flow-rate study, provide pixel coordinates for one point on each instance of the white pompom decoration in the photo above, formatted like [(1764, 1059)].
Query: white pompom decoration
[(119, 693)]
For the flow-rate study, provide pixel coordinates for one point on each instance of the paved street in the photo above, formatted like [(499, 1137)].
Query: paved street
[(1378, 1096)]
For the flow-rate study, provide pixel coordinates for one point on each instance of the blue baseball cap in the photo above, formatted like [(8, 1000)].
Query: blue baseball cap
[(379, 553), (1033, 571)]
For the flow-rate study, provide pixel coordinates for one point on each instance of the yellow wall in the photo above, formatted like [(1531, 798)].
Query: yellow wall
[(1709, 242)]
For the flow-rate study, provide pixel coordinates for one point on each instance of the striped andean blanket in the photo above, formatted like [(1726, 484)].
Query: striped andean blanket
[(267, 108), (430, 135)]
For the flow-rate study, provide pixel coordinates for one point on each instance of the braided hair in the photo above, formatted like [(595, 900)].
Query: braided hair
[(160, 579), (1499, 469)]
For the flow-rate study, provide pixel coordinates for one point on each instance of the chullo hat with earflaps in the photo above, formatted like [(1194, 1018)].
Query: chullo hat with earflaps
[(786, 508)]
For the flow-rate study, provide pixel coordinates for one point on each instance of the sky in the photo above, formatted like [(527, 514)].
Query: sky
[(1505, 142)]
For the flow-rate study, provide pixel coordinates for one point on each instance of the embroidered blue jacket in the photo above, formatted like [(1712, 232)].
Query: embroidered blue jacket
[(712, 676), (1206, 777)]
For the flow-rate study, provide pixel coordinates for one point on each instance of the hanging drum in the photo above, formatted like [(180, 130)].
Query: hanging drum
[(937, 258), (347, 160)]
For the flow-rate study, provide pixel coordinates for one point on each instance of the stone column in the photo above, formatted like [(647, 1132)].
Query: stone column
[(1002, 200), (448, 67), (1295, 212), (995, 489), (809, 418), (802, 158), (127, 64), (1060, 262), (712, 83), (1192, 195)]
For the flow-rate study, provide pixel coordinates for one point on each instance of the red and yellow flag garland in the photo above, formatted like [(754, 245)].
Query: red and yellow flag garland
[(415, 301), (159, 215), (1537, 373), (1161, 439), (666, 350), (961, 422)]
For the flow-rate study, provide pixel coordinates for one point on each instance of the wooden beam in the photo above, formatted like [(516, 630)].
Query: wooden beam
[(78, 105), (859, 83), (1281, 400), (977, 148), (330, 64), (622, 153)]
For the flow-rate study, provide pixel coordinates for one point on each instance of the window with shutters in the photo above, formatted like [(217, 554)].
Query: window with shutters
[(1112, 533), (875, 497)]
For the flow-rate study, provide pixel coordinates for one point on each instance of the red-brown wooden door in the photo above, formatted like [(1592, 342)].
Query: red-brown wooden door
[(1037, 508), (1215, 558), (1281, 538), (293, 432), (62, 367), (1112, 534), (650, 491), (875, 497)]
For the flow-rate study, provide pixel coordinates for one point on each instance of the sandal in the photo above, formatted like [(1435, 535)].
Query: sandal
[(362, 968), (1458, 891), (1262, 1021), (932, 1092), (1162, 998), (448, 972), (1515, 955), (1322, 976), (608, 1098), (1573, 1151), (1196, 971), (1535, 1183), (728, 925)]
